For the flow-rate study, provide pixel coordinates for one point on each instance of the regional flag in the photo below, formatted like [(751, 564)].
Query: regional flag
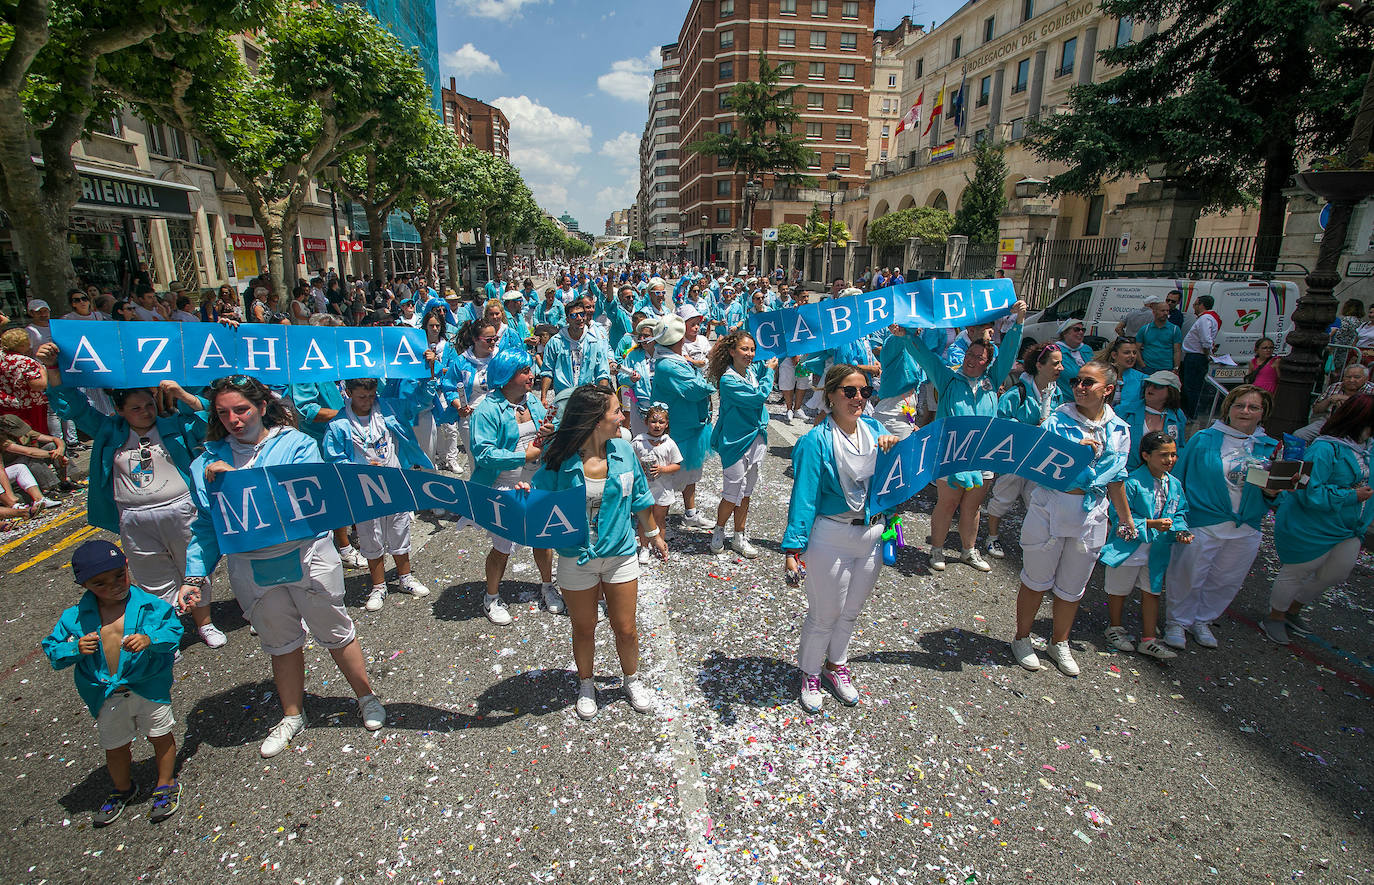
[(912, 120)]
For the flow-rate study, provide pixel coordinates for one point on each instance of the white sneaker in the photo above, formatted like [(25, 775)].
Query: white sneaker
[(586, 699), (643, 555), (1204, 636), (213, 636), (374, 714), (49, 502), (410, 585), (699, 520), (842, 683), (376, 597), (937, 559), (638, 694), (787, 416), (453, 467), (1062, 657), (975, 559), (281, 735), (995, 549), (1024, 652), (496, 610), (740, 542), (718, 540), (811, 697), (1119, 639), (351, 557), (1174, 637), (553, 600)]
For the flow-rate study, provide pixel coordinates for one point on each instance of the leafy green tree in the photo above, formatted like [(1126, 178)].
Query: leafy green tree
[(379, 176), (636, 248), (329, 80), (791, 235), (434, 190), (1228, 94), (923, 222), (820, 228), (50, 51), (761, 141), (980, 213)]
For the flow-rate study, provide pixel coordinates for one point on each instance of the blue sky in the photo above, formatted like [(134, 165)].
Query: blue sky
[(573, 77)]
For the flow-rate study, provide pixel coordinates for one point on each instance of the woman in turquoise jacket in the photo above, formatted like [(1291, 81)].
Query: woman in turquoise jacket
[(1031, 400), (140, 479), (284, 589), (586, 452), (507, 429), (687, 394), (1224, 512), (1123, 354), (970, 389), (740, 436), (828, 520), (1076, 353), (635, 376), (1319, 527), (549, 312), (1159, 409), (896, 407)]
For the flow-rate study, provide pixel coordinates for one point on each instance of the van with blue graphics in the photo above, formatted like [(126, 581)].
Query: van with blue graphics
[(1249, 310)]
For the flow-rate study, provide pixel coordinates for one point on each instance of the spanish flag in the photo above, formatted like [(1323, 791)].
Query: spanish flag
[(937, 110)]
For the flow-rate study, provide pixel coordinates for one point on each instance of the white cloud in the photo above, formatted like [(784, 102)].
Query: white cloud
[(631, 79), (544, 145), (468, 60), (502, 10), (623, 150), (620, 196)]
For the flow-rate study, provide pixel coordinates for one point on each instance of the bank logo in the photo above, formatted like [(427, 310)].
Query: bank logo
[(1245, 317)]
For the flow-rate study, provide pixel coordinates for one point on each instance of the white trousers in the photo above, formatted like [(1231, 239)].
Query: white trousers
[(154, 540), (841, 569), (439, 441), (1304, 581), (738, 480), (385, 534), (1005, 491), (889, 414), (1205, 576)]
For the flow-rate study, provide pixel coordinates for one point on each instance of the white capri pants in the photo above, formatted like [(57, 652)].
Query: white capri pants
[(21, 476), (1304, 581), (1060, 543), (154, 540), (738, 480), (1005, 491), (1205, 576), (787, 376), (1122, 580), (439, 441), (385, 534), (889, 414), (842, 564), (310, 596), (127, 714)]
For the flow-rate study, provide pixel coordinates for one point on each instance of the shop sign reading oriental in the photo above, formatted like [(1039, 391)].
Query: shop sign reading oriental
[(134, 196), (1019, 40)]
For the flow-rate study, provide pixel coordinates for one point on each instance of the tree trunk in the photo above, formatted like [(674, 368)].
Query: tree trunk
[(39, 206), (376, 228), (452, 245), (1279, 167), (428, 243), (275, 235)]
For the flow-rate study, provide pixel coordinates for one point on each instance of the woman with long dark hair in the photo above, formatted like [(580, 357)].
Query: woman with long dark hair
[(284, 589), (740, 436), (1319, 527), (586, 451), (465, 383)]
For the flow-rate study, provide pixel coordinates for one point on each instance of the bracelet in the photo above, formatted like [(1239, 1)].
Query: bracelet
[(653, 534), (195, 582)]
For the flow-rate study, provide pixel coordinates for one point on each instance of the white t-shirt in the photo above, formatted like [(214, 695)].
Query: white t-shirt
[(93, 315), (699, 349), (596, 488), (372, 440), (144, 474), (148, 316), (38, 335), (507, 479), (181, 316)]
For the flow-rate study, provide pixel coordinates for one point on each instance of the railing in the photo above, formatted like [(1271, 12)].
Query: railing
[(1071, 261)]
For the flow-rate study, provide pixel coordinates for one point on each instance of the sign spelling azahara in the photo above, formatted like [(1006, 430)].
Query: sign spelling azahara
[(925, 304), (194, 354), (256, 508), (952, 445)]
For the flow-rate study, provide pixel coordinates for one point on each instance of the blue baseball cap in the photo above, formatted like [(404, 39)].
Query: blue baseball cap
[(95, 557)]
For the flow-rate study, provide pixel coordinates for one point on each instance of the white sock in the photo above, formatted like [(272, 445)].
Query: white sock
[(688, 514), (631, 677), (299, 717), (381, 586), (588, 683), (347, 548)]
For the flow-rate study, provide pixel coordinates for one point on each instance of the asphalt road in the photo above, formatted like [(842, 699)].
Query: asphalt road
[(1249, 763)]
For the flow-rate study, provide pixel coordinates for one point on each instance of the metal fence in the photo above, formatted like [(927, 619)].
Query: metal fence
[(980, 260), (1056, 265)]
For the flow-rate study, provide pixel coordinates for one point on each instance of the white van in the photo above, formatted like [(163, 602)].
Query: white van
[(1249, 310)]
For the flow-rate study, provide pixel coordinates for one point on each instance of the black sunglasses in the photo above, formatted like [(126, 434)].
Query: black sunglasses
[(76, 298), (850, 391), (1082, 382)]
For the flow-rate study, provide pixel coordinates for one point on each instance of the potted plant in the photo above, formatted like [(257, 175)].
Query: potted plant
[(1334, 179)]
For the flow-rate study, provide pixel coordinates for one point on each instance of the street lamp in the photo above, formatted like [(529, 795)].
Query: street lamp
[(682, 237), (705, 240), (752, 190), (833, 178)]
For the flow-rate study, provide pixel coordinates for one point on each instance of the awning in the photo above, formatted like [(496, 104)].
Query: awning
[(106, 190)]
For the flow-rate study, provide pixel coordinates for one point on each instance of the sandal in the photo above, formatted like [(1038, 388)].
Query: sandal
[(7, 525)]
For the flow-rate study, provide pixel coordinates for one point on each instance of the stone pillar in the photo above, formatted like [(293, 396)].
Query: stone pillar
[(1037, 84), (806, 265), (849, 262), (1087, 55), (999, 77), (955, 249)]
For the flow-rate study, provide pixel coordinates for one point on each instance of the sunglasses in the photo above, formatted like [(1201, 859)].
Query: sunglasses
[(76, 298), (577, 314), (1126, 339), (491, 340), (850, 391), (238, 382), (1082, 382)]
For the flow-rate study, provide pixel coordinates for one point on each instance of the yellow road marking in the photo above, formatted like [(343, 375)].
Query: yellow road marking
[(9, 546), (72, 539)]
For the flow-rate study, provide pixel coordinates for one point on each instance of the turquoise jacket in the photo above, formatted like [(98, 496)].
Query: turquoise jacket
[(147, 673), (626, 493), (495, 434), (182, 433), (514, 334), (1022, 403), (622, 321), (637, 360), (743, 413), (816, 489), (411, 396), (687, 394), (546, 314), (1132, 390), (309, 399), (338, 445), (1200, 470), (558, 362), (1140, 493), (1071, 366), (1326, 511), (1109, 465), (1174, 425), (960, 394), (287, 447), (901, 373)]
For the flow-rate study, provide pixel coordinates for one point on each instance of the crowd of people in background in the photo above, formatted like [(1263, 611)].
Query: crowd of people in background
[(625, 380)]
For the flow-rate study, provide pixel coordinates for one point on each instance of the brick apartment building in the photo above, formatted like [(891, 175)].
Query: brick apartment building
[(475, 122)]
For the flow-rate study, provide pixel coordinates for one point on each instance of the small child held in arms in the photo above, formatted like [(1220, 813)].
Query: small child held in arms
[(1159, 510), (660, 458), (121, 641)]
